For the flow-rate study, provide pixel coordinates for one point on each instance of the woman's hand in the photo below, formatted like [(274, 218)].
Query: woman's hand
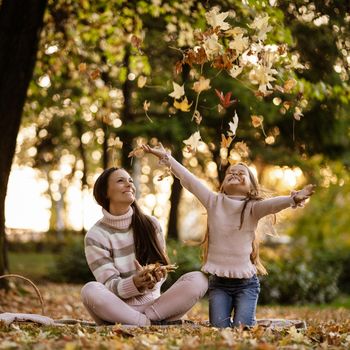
[(158, 151), (300, 196), (143, 279), (159, 273)]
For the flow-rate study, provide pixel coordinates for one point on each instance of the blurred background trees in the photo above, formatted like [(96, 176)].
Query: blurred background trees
[(97, 63)]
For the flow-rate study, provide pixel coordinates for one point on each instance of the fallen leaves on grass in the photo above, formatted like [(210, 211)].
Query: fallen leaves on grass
[(327, 327)]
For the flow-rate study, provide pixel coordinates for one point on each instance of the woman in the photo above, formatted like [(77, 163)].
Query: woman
[(117, 247)]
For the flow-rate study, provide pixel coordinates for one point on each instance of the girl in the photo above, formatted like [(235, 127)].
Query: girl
[(124, 292), (231, 256)]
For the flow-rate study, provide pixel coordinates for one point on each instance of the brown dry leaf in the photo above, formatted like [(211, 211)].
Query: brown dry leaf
[(257, 120), (223, 62), (225, 142), (178, 67), (95, 74)]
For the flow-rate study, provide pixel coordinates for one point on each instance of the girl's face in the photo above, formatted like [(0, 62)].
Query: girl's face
[(237, 181), (121, 189)]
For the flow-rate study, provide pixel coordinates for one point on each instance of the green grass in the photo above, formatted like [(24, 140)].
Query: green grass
[(31, 265)]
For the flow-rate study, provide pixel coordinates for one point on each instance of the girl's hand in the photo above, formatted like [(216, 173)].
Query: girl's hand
[(158, 151), (300, 196)]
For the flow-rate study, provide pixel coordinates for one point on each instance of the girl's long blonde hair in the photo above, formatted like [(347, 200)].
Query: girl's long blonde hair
[(255, 195)]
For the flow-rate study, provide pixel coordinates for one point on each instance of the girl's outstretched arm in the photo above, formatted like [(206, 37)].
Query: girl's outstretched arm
[(276, 204), (187, 179)]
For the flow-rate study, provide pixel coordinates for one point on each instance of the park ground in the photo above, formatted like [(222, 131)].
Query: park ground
[(328, 326)]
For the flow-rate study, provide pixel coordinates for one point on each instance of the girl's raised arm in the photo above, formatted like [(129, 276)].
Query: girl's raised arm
[(276, 204), (187, 179)]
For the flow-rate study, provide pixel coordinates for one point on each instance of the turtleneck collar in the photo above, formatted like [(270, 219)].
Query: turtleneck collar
[(119, 222)]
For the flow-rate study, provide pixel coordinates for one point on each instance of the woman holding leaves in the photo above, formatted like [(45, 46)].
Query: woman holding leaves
[(231, 254), (125, 251)]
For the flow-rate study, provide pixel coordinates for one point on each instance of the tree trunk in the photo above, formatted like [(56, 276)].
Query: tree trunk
[(176, 188), (20, 24), (127, 114)]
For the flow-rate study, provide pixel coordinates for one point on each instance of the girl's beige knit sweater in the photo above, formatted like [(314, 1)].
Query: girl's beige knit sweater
[(229, 247)]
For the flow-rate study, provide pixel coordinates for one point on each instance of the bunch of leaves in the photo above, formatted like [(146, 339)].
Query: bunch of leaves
[(244, 53)]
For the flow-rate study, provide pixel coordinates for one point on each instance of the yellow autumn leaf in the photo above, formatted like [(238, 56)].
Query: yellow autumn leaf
[(201, 85), (225, 142), (183, 105), (257, 120)]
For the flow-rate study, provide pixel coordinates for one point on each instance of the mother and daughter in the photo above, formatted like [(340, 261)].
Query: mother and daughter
[(125, 239)]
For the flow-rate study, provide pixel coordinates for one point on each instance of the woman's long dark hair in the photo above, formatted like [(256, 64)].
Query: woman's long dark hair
[(147, 249)]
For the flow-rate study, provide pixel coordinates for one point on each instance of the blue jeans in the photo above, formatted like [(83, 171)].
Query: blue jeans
[(228, 294)]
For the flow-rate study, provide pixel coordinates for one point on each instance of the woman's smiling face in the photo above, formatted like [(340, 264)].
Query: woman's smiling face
[(120, 188)]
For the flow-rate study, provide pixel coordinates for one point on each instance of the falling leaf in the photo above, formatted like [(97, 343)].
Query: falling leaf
[(233, 125), (216, 19), (224, 61), (235, 31), (287, 104), (178, 67), (141, 81), (193, 141), (178, 92), (261, 24), (183, 105), (235, 71), (225, 142), (138, 152), (197, 117), (212, 46), (225, 100), (289, 85), (201, 85), (95, 74), (82, 67), (239, 43), (297, 113), (257, 120)]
